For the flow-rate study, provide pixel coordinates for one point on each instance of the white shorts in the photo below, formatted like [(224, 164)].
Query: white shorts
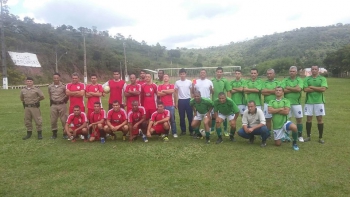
[(241, 108), (266, 111), (199, 116), (229, 117), (296, 111), (279, 133), (318, 109)]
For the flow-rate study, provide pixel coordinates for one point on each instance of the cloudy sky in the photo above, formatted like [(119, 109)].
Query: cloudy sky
[(186, 23)]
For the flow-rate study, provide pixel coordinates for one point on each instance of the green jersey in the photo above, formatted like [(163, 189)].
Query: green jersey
[(203, 106), (293, 97), (278, 120), (257, 84), (270, 85), (158, 82), (227, 108), (315, 97), (220, 85), (238, 97)]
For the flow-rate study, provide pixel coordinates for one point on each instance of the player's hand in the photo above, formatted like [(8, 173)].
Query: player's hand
[(250, 130), (155, 123), (135, 126)]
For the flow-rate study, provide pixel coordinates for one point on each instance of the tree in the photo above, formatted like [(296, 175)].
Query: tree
[(338, 61)]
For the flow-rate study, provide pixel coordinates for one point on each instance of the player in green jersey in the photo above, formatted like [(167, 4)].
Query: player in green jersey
[(237, 92), (252, 87), (314, 86), (220, 85), (225, 108), (293, 85), (202, 108), (279, 108)]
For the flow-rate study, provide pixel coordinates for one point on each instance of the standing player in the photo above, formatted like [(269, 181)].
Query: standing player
[(137, 121), (225, 108), (293, 85), (183, 96), (132, 92), (202, 108), (97, 120), (149, 96), (141, 79), (237, 91), (203, 85), (76, 124), (76, 92), (160, 78), (252, 87), (159, 122), (314, 86), (116, 121), (117, 87), (220, 85), (166, 94), (31, 97), (279, 108), (58, 104), (93, 93)]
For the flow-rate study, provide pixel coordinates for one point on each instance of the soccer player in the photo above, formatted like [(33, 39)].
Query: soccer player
[(203, 85), (279, 108), (159, 122), (76, 92), (314, 86), (183, 96), (132, 92), (293, 85), (220, 85), (253, 123), (225, 108), (97, 120), (268, 90), (76, 124), (166, 95), (117, 87), (202, 108), (141, 79), (116, 121), (93, 93), (237, 91), (149, 96), (160, 78), (137, 121)]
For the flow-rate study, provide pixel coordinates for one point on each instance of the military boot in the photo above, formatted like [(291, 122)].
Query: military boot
[(29, 134), (40, 135)]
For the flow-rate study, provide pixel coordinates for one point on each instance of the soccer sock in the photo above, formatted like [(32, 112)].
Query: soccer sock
[(225, 125), (212, 124), (308, 128), (300, 129), (218, 131), (90, 130), (295, 137), (207, 134), (102, 133), (196, 131), (166, 133), (320, 130), (232, 131)]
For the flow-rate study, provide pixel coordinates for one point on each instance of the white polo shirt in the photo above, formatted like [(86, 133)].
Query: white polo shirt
[(183, 88), (251, 120), (204, 87)]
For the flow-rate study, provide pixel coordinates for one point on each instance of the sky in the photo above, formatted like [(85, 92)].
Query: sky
[(186, 23)]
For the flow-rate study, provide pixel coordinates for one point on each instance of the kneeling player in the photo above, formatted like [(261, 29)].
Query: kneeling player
[(279, 109), (201, 111), (159, 122), (137, 121), (116, 121), (97, 123), (76, 124)]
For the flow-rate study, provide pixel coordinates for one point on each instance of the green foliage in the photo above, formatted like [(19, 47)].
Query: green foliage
[(338, 61), (280, 65)]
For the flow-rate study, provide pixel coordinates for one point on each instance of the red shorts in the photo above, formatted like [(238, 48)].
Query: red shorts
[(96, 134), (158, 129), (135, 131), (71, 108), (149, 113), (78, 132)]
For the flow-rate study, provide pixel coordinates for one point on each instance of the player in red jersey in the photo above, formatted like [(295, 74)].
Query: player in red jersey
[(117, 121), (137, 120), (93, 93), (149, 96), (76, 92), (97, 120), (117, 87), (132, 92), (159, 122), (141, 79), (76, 124)]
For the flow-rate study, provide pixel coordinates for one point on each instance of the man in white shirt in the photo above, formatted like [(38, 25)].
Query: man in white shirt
[(203, 85), (254, 123), (183, 96)]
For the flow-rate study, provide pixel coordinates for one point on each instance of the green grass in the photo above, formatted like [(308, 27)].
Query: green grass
[(182, 167)]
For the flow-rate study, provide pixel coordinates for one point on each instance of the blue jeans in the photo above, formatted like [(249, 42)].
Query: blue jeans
[(184, 107), (262, 131), (172, 118)]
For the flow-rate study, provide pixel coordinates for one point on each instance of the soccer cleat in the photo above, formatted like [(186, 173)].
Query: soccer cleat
[(191, 134), (183, 133), (263, 144), (162, 136), (295, 147), (321, 141), (70, 138), (145, 138), (307, 139), (232, 139), (226, 134), (175, 135), (166, 139), (124, 138), (102, 140), (65, 136), (219, 141), (207, 140), (301, 139)]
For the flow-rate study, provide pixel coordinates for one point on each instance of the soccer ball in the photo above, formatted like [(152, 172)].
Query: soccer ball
[(106, 89), (202, 132)]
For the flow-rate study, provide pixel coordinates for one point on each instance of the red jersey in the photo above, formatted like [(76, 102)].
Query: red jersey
[(134, 117), (116, 91), (92, 100), (116, 117), (74, 87), (149, 96), (168, 99), (95, 117), (76, 121), (130, 99), (141, 82), (156, 116)]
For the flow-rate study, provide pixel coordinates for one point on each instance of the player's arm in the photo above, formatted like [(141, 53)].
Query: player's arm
[(40, 95), (209, 112), (141, 121), (150, 124), (123, 124), (272, 110), (66, 127), (161, 93), (318, 89), (99, 94), (308, 89), (176, 97), (84, 125), (284, 111), (251, 90), (267, 92), (170, 91), (109, 124), (293, 89), (166, 119), (98, 122), (262, 122)]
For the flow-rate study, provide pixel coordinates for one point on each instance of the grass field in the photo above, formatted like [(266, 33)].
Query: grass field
[(181, 167)]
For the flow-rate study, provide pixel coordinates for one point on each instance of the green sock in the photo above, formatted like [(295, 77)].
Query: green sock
[(212, 125), (196, 131), (207, 134), (300, 129), (295, 136), (232, 131), (218, 131), (225, 125)]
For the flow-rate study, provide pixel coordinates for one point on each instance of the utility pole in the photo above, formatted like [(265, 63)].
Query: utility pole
[(3, 52), (126, 67), (59, 59), (85, 70), (120, 68)]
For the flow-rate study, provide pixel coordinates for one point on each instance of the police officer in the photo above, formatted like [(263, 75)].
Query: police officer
[(31, 97), (58, 107)]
